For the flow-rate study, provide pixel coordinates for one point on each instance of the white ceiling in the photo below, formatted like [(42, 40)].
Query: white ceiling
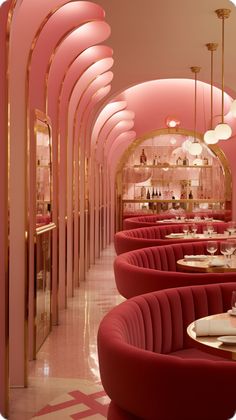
[(155, 39)]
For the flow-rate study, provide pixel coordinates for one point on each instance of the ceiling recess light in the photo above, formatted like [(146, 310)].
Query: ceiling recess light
[(172, 122)]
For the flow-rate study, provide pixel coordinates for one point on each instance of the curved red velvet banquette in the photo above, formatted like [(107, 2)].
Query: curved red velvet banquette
[(152, 220), (127, 240), (149, 367), (149, 269)]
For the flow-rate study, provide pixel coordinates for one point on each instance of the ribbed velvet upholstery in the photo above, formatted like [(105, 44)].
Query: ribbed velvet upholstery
[(144, 357), (127, 240), (149, 269), (152, 220)]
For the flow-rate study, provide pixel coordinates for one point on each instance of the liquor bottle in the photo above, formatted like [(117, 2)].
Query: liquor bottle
[(143, 158), (190, 196), (179, 161), (205, 161), (159, 194), (153, 194), (185, 161), (155, 160), (148, 194), (143, 192)]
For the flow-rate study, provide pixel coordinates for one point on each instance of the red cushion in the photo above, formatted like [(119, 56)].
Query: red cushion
[(145, 381), (149, 269)]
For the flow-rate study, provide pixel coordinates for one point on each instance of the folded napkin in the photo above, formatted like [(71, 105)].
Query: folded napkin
[(196, 257), (215, 326), (216, 262), (177, 235)]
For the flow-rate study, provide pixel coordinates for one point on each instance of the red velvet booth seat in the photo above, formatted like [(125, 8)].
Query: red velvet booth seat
[(127, 240), (152, 220), (148, 365), (149, 269)]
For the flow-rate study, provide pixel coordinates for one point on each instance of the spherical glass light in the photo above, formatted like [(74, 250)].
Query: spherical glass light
[(233, 108), (186, 145), (223, 131), (195, 148), (210, 137)]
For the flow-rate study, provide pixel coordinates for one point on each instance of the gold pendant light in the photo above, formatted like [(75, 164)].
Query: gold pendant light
[(210, 135), (195, 148), (223, 130)]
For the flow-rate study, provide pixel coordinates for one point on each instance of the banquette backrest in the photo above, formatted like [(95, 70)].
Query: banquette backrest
[(155, 268), (127, 240), (148, 367), (150, 220)]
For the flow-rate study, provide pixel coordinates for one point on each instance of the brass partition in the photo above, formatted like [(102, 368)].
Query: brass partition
[(43, 283), (158, 205)]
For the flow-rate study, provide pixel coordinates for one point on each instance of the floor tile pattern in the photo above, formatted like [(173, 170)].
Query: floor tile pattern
[(67, 361)]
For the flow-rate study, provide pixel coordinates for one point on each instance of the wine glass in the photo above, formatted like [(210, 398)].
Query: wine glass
[(224, 250), (210, 229), (185, 229), (231, 228), (194, 229), (230, 246), (212, 247)]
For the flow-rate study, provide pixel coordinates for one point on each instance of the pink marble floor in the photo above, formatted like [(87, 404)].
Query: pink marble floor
[(67, 361)]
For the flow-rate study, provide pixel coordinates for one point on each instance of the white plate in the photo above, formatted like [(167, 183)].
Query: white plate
[(196, 257), (227, 339), (231, 312)]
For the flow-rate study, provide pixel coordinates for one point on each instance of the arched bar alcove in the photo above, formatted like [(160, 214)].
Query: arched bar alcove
[(162, 139)]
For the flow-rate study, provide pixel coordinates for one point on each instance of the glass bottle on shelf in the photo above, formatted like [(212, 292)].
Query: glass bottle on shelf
[(143, 192), (179, 161), (155, 160), (185, 161), (153, 194), (190, 196), (148, 194), (143, 158), (205, 161)]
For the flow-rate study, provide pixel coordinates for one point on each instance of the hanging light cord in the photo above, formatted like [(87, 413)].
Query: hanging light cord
[(195, 70), (223, 14), (212, 46), (222, 70)]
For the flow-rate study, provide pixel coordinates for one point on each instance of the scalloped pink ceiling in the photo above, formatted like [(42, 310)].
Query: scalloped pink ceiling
[(119, 146), (108, 110), (81, 63), (96, 84), (79, 66), (89, 115), (62, 22), (121, 127), (91, 73), (109, 124), (100, 81)]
